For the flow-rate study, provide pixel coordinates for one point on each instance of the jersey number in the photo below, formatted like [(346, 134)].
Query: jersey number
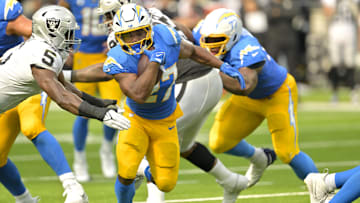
[(90, 23), (165, 76), (48, 58)]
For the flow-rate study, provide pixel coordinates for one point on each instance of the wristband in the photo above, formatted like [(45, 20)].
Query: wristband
[(91, 111)]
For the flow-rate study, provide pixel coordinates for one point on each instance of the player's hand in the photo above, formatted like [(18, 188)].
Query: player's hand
[(116, 120), (233, 72), (156, 55)]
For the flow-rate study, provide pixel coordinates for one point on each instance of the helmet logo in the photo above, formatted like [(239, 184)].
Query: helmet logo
[(52, 24)]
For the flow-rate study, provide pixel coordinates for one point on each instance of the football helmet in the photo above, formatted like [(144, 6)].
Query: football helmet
[(108, 8), (131, 21), (221, 29), (56, 25)]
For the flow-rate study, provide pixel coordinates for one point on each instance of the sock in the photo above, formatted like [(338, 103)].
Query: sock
[(24, 197), (330, 181), (51, 152), (302, 165), (350, 190), (148, 173), (201, 157), (109, 133), (80, 131), (219, 171), (144, 165), (242, 149), (342, 177), (67, 178), (106, 145), (10, 178), (154, 194), (124, 193)]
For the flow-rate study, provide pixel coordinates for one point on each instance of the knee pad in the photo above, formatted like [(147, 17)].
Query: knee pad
[(166, 184)]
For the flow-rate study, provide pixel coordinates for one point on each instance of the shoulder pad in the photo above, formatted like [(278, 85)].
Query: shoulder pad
[(169, 35)]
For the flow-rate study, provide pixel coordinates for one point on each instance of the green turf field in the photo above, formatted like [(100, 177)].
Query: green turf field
[(328, 133)]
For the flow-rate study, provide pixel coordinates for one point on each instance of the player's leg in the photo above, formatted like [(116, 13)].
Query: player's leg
[(281, 114), (109, 90), (80, 126), (163, 152), (237, 118), (32, 114), (349, 181), (320, 185), (9, 174), (130, 149)]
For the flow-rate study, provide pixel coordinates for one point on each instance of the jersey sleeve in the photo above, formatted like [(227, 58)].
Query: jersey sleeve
[(116, 62), (246, 54), (44, 56), (169, 35), (11, 9)]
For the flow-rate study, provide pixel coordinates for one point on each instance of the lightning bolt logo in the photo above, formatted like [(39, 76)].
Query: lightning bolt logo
[(9, 5)]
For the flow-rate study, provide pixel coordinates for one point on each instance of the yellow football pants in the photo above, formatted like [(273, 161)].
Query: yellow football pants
[(29, 117), (239, 116), (158, 140), (107, 90)]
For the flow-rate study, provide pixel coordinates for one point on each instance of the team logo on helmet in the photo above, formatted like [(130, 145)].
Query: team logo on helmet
[(52, 24)]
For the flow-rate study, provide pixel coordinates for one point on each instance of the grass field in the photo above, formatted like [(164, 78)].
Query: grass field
[(328, 133)]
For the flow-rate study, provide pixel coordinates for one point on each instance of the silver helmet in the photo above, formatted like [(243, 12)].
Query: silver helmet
[(56, 25), (107, 9)]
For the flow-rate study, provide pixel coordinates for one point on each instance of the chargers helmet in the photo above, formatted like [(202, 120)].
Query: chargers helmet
[(223, 25), (129, 19), (56, 25)]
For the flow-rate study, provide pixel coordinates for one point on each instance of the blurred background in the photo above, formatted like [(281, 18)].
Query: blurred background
[(316, 40)]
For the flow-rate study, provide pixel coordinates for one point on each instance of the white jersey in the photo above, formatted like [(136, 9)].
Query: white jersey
[(16, 80)]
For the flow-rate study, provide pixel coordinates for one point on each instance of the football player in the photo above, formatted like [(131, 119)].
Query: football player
[(273, 97), (151, 106), (322, 185), (91, 51), (29, 116), (25, 72), (193, 79)]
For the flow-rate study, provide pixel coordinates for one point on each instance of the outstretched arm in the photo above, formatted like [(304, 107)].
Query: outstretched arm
[(93, 73)]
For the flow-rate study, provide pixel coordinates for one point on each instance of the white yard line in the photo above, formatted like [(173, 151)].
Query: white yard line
[(286, 194)]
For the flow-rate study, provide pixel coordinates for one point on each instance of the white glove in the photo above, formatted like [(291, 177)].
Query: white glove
[(116, 120)]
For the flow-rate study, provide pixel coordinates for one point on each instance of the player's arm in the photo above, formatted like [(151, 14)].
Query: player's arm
[(71, 102), (139, 88), (93, 73), (48, 81), (232, 84), (64, 3), (199, 54), (186, 31), (21, 26)]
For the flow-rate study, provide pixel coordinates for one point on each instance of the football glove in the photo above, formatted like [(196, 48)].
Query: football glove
[(116, 120), (157, 56), (234, 73)]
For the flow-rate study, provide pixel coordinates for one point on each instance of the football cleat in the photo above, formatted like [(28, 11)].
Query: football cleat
[(233, 185), (319, 191), (74, 193), (261, 160), (80, 166), (107, 163)]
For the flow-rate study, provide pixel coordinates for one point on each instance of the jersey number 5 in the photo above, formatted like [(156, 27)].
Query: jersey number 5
[(48, 58)]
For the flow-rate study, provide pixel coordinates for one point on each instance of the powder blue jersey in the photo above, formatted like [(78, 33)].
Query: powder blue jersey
[(9, 10), (92, 36), (161, 103), (248, 51)]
